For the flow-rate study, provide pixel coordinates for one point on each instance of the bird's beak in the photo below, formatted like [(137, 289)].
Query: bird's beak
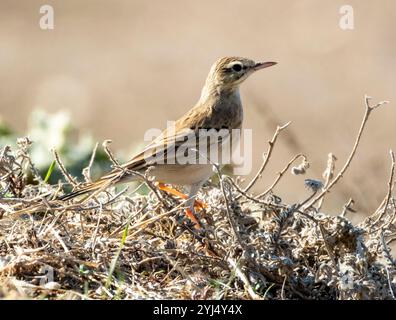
[(262, 65)]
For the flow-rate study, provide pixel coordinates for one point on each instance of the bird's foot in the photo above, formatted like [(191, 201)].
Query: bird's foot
[(197, 204), (194, 219)]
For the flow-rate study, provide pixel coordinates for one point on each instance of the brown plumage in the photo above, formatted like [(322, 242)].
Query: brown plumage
[(219, 107)]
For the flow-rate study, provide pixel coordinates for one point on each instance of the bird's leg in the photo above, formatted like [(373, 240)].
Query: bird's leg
[(197, 203), (190, 203)]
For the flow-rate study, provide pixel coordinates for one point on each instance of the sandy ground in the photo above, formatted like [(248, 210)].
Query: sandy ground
[(112, 63)]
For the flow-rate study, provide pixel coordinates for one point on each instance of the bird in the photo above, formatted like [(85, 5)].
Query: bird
[(219, 108)]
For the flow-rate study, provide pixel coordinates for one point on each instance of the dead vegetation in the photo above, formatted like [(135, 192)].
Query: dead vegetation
[(124, 245)]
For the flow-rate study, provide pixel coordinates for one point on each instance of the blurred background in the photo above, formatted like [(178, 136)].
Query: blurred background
[(111, 70)]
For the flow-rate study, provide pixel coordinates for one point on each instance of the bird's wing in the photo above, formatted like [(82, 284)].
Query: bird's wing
[(185, 134)]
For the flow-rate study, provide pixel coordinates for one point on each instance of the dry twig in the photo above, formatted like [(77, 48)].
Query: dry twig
[(366, 116), (279, 176), (267, 156), (62, 168)]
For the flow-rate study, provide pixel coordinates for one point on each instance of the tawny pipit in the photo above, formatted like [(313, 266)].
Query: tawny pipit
[(218, 108)]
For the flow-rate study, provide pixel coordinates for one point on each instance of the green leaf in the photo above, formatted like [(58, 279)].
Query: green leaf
[(115, 259), (268, 289), (50, 169)]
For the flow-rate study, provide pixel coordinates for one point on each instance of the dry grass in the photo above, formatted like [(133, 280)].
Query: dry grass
[(132, 246)]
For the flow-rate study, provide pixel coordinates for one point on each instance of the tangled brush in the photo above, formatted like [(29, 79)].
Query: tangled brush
[(126, 245)]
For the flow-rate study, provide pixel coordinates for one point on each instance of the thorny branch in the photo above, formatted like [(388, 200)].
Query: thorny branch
[(366, 116), (87, 170), (390, 189), (279, 176), (110, 154), (62, 168), (161, 260), (328, 175), (267, 156)]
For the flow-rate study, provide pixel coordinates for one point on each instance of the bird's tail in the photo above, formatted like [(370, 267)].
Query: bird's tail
[(89, 188)]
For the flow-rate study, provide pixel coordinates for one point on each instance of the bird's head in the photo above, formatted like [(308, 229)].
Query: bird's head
[(230, 72)]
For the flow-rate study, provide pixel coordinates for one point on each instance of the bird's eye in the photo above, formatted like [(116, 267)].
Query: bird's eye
[(237, 67)]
